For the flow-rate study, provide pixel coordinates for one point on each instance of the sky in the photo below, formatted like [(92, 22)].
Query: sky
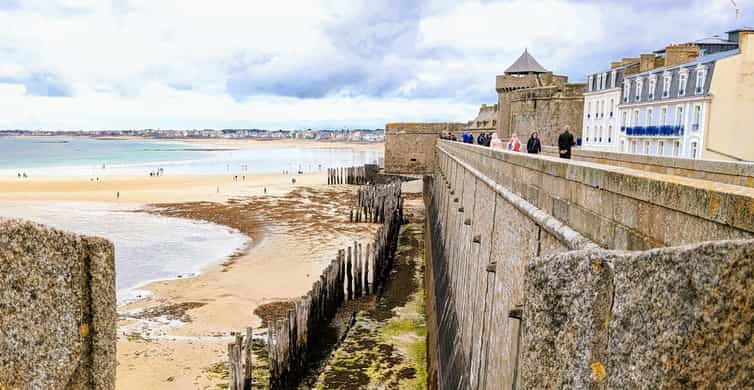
[(134, 64)]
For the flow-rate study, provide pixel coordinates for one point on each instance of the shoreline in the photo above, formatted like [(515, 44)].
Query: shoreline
[(188, 321)]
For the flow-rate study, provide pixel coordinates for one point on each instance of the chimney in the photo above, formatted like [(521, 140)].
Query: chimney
[(646, 62), (615, 64), (680, 54)]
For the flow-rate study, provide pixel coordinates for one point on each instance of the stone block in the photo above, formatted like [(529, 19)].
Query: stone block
[(57, 309), (683, 318), (567, 303)]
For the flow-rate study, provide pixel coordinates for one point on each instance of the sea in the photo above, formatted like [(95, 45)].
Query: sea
[(150, 247), (79, 156)]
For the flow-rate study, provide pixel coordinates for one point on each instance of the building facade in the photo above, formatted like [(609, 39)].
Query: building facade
[(601, 100), (485, 121), (531, 98), (673, 103)]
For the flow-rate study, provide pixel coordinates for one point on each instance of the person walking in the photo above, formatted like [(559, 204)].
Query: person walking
[(566, 143), (495, 142), (514, 144), (533, 145)]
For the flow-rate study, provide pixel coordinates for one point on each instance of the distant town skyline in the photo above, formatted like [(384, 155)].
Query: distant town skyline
[(132, 64)]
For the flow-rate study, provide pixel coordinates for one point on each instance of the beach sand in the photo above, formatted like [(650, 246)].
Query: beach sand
[(295, 237), (176, 338)]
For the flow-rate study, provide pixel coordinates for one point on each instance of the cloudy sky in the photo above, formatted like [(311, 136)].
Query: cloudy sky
[(122, 64)]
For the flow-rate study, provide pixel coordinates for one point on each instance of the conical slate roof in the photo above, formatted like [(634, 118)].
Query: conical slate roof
[(525, 64)]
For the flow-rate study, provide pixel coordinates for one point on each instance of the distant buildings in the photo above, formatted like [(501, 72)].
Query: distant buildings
[(360, 135), (485, 121), (692, 100), (531, 98)]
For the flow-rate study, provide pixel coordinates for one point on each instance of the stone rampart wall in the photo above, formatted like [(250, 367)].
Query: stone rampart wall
[(501, 223), (737, 173), (410, 147), (57, 309)]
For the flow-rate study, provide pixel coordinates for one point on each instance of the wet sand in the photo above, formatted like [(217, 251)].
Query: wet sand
[(295, 236)]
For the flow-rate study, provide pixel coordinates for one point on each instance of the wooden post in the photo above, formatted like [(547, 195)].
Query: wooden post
[(349, 276), (248, 366), (366, 269)]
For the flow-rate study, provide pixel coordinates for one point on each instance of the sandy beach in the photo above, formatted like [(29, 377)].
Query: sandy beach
[(177, 337)]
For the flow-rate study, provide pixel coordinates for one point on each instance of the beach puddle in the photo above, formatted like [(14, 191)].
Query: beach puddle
[(148, 247)]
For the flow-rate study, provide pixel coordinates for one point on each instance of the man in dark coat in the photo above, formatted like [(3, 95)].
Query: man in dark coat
[(533, 145), (566, 143)]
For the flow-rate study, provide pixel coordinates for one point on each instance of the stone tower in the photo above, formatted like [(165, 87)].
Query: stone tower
[(531, 98)]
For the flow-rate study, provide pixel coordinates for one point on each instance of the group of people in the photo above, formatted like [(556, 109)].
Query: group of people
[(566, 142), (22, 175), (158, 172)]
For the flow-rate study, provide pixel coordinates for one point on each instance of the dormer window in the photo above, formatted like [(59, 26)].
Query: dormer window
[(701, 75), (626, 90), (590, 83), (682, 79), (599, 81), (652, 86), (604, 80), (612, 78), (667, 78), (639, 84)]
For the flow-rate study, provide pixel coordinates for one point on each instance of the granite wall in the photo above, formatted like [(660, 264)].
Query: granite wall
[(57, 309), (512, 233), (410, 147)]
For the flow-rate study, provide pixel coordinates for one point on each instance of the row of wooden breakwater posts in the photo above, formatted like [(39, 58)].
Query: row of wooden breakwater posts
[(346, 278), (347, 175)]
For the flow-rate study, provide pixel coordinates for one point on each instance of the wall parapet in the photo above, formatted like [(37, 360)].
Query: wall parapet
[(57, 309), (736, 173)]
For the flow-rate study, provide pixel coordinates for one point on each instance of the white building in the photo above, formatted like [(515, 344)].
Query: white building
[(664, 101), (600, 128)]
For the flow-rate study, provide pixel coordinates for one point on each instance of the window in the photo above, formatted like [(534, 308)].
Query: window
[(661, 148), (652, 86), (676, 148), (610, 134), (626, 90), (623, 146), (589, 83), (646, 147), (679, 116), (612, 107), (494, 122), (666, 85), (636, 118), (684, 76), (599, 81), (664, 116), (633, 146), (604, 80), (649, 117), (587, 134), (697, 117), (602, 109), (612, 79), (625, 119), (693, 149), (639, 84), (588, 110), (701, 75)]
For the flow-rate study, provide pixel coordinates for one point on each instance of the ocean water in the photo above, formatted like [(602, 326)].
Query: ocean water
[(75, 156), (147, 247)]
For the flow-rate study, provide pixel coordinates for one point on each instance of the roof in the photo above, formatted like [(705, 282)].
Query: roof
[(525, 64), (715, 40), (741, 29), (701, 60)]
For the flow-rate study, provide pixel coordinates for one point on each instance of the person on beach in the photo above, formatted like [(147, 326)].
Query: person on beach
[(533, 145), (117, 195), (514, 144), (495, 142), (19, 175), (265, 190), (566, 143)]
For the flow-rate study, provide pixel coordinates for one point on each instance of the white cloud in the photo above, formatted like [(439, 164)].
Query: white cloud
[(288, 63)]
